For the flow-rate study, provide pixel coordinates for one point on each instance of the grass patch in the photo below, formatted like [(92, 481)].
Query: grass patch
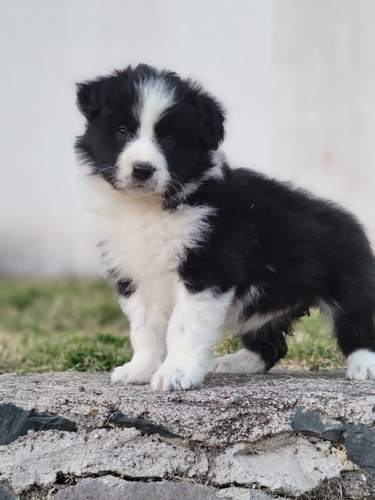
[(78, 325), (61, 325), (313, 345)]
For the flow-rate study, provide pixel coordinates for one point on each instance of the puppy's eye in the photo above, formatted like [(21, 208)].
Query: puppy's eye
[(169, 139), (122, 132)]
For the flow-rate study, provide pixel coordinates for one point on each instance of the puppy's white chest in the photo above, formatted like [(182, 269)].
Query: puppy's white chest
[(145, 243)]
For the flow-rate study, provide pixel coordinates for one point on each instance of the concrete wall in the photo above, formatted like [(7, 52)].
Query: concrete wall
[(296, 76), (323, 132)]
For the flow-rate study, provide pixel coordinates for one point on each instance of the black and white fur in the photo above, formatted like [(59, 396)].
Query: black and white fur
[(195, 247)]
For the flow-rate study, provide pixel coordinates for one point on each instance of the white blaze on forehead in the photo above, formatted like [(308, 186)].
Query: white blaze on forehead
[(155, 97)]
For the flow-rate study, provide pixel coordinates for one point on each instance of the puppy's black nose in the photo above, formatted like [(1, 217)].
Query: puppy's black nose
[(143, 171)]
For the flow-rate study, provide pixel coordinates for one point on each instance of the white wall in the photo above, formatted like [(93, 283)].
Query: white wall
[(323, 133), (46, 46), (296, 76)]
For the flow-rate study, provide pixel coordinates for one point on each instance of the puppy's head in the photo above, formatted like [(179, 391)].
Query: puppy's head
[(148, 130)]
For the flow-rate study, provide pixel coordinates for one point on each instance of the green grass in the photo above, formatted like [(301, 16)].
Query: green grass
[(312, 345), (78, 325), (61, 325)]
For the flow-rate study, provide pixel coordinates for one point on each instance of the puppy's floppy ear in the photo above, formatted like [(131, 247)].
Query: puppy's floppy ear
[(212, 115), (90, 97)]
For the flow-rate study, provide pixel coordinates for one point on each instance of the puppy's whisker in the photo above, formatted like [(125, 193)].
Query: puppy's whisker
[(106, 167), (176, 183)]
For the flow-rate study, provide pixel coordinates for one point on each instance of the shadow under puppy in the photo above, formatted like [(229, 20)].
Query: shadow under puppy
[(195, 247)]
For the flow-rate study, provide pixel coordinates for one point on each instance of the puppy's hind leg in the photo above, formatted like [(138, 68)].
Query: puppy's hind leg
[(355, 332), (262, 349), (242, 361)]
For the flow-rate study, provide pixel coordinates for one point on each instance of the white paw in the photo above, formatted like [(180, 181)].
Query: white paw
[(361, 365), (132, 373), (243, 361), (172, 377)]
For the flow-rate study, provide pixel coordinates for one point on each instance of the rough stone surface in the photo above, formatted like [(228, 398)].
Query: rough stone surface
[(286, 434), (234, 493), (5, 494), (289, 465), (359, 442), (111, 488)]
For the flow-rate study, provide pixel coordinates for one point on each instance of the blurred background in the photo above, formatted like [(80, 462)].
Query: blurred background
[(297, 78)]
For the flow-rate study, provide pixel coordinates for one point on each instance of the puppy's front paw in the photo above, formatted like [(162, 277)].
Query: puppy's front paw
[(171, 377), (132, 373)]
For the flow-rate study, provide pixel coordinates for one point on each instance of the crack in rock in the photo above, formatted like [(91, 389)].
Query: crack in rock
[(118, 419)]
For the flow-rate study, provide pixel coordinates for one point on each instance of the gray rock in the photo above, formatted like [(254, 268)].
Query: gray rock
[(5, 494), (310, 422), (15, 422), (111, 488), (41, 458), (237, 437), (235, 493), (227, 409), (292, 465), (359, 442)]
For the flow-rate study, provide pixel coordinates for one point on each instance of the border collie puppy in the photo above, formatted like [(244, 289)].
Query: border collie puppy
[(194, 246)]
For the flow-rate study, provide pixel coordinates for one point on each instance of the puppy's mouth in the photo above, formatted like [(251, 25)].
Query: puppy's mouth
[(147, 187), (143, 186), (141, 179)]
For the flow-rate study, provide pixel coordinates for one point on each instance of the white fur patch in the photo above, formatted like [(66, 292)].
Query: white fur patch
[(330, 312), (361, 365), (217, 159), (146, 244), (147, 336), (251, 298), (193, 329), (154, 98), (253, 295), (243, 361), (257, 320), (252, 324)]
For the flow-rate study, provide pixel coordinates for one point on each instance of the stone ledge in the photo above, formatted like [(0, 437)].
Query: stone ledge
[(286, 434)]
